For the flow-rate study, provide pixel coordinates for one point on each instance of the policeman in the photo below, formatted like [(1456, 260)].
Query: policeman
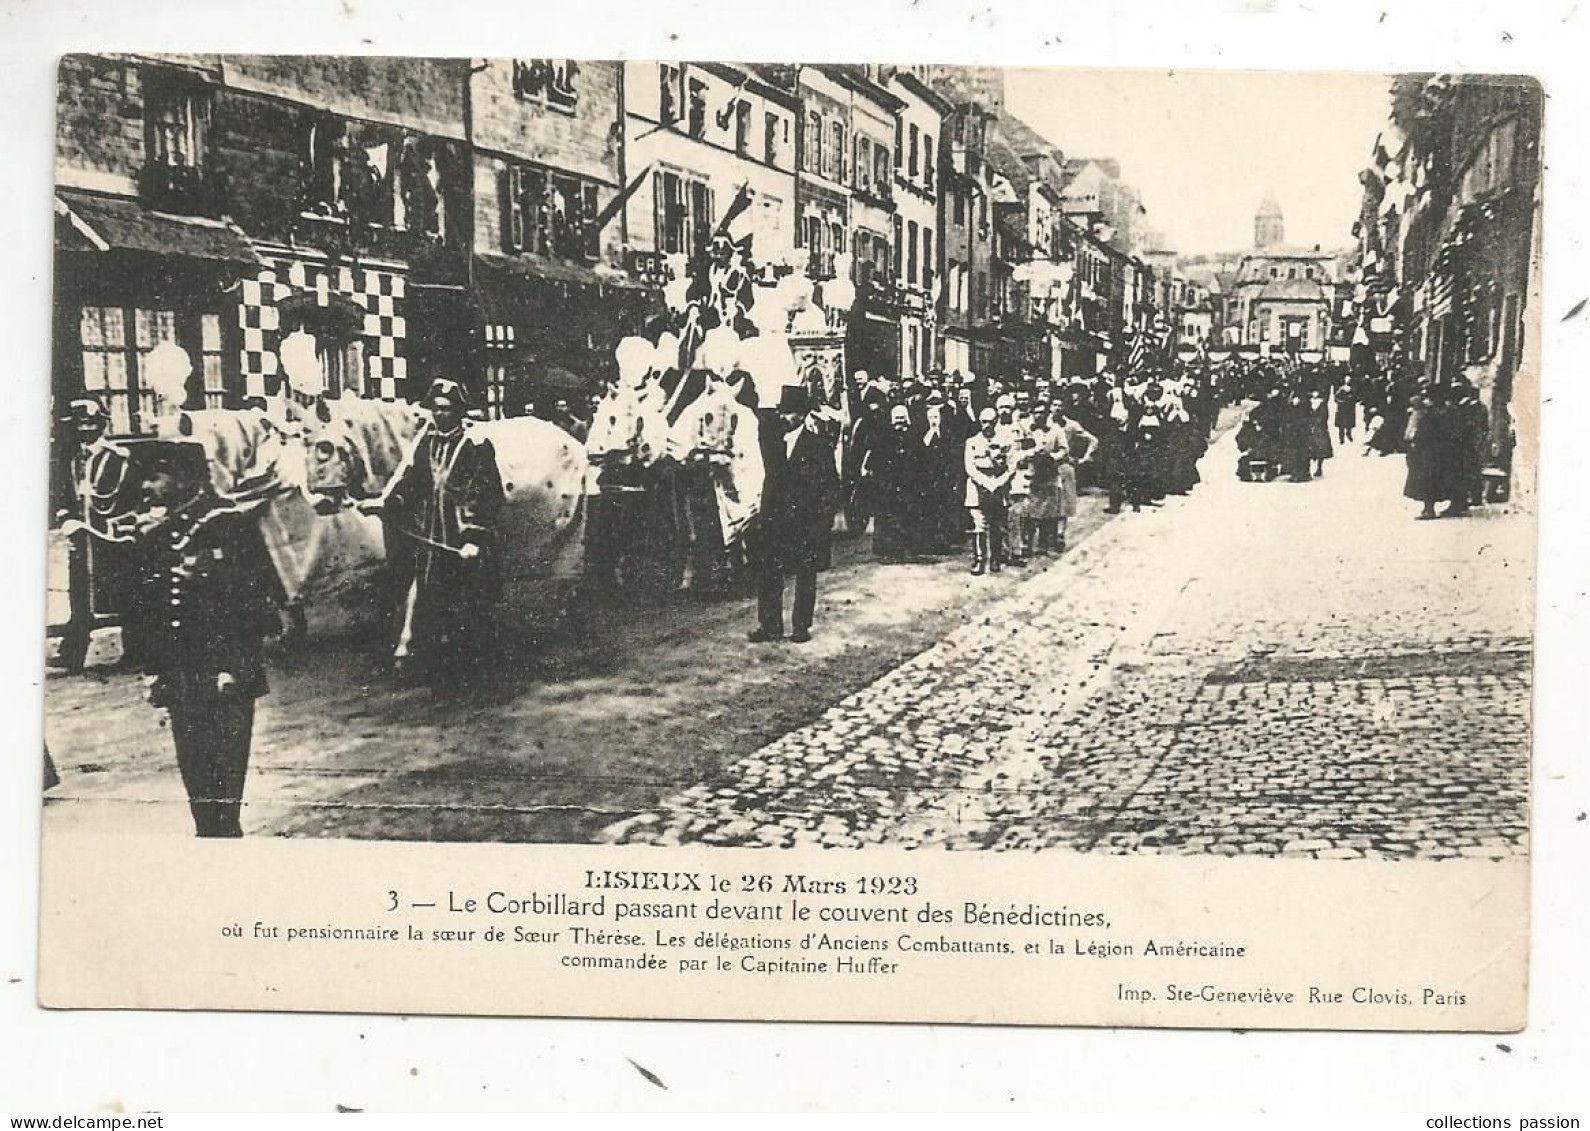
[(212, 582)]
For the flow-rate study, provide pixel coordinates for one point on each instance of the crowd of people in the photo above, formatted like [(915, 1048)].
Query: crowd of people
[(937, 463), (1442, 429)]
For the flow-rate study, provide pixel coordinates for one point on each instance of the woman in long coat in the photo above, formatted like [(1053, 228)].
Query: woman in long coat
[(1320, 448), (1296, 425), (1425, 442)]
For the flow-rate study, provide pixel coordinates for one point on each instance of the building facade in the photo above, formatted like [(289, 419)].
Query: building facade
[(1449, 245), (966, 223), (549, 166), (228, 204), (919, 132)]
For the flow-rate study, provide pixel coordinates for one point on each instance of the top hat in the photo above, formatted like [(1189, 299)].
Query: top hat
[(794, 399)]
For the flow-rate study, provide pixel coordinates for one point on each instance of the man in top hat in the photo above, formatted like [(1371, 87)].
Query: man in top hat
[(441, 512), (210, 580), (797, 515)]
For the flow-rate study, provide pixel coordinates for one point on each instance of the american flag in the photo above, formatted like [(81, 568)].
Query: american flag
[(1139, 351)]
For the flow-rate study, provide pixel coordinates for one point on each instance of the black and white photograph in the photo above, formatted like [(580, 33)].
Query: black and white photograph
[(793, 455)]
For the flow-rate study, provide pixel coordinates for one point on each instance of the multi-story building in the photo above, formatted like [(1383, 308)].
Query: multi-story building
[(1027, 235), (699, 137), (1092, 309), (919, 130), (966, 224), (873, 340), (1449, 244), (549, 157), (1095, 193), (1283, 295), (225, 204)]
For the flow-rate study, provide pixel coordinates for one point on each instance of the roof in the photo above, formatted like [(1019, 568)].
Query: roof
[(1292, 290), (752, 78), (111, 223), (1005, 162), (1023, 138)]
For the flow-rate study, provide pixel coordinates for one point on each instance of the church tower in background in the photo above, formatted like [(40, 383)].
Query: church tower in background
[(1269, 229)]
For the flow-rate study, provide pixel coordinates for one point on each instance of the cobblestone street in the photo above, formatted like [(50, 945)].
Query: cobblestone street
[(1254, 668), (1295, 669)]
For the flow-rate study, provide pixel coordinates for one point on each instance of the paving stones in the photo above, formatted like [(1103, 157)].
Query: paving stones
[(1257, 669)]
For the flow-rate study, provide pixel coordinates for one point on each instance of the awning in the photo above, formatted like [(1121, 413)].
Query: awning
[(108, 223), (509, 272)]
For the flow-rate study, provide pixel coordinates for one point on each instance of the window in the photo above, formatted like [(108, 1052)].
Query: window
[(548, 82), (954, 296), (812, 233), (176, 120), (960, 207), (861, 270), (342, 365), (979, 294), (927, 259), (107, 371), (880, 170), (910, 253), (834, 168), (670, 93), (899, 142), (742, 127), (212, 371), (911, 162), (930, 159), (862, 167), (1309, 272), (528, 208), (571, 231), (1291, 272), (561, 94), (812, 159), (836, 231), (1482, 331), (770, 133), (683, 213), (698, 108), (899, 239), (1275, 272), (116, 343)]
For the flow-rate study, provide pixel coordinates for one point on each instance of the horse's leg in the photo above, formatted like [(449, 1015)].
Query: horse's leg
[(402, 656), (684, 530)]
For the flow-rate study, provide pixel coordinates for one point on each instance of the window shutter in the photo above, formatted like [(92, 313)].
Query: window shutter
[(589, 211), (659, 214), (512, 209)]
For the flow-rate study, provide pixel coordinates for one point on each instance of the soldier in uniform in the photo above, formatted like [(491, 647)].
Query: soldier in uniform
[(442, 508), (217, 593), (989, 467)]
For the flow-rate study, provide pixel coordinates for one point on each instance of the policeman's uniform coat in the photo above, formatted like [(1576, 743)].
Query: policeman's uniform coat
[(212, 593)]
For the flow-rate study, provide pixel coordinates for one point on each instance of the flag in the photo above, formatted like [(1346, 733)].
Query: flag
[(1138, 351), (742, 201), (681, 388)]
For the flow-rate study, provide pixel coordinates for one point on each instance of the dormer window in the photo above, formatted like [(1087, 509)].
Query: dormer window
[(547, 82)]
